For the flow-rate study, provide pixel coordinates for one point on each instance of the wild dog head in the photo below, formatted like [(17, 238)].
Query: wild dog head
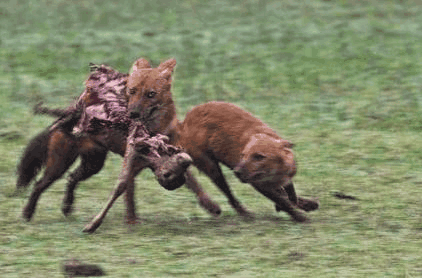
[(266, 160), (149, 96)]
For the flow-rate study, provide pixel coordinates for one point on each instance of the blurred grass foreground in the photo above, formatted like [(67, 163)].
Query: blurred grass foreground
[(341, 79)]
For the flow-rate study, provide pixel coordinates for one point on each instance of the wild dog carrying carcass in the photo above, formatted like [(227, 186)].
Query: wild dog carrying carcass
[(214, 133), (98, 123)]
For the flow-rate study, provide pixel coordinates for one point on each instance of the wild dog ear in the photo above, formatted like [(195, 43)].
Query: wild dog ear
[(166, 68), (286, 143), (140, 64)]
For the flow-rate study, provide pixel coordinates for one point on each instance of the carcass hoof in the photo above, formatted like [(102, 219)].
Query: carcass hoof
[(91, 227)]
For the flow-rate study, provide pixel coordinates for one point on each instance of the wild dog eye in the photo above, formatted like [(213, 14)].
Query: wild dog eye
[(258, 157), (132, 91), (151, 94)]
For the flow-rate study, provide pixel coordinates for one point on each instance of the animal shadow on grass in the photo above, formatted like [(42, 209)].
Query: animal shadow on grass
[(178, 225)]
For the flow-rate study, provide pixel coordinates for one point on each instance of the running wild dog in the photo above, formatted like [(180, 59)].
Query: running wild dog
[(216, 133), (220, 132), (100, 127)]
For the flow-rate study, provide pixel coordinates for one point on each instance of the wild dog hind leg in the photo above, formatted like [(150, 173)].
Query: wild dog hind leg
[(62, 152), (92, 161)]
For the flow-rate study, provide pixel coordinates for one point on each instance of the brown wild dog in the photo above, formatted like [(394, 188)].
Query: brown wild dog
[(220, 132), (205, 137), (57, 147), (157, 81)]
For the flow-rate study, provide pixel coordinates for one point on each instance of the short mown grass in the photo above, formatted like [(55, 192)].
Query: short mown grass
[(341, 79)]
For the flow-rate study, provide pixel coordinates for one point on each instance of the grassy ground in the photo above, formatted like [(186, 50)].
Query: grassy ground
[(341, 79)]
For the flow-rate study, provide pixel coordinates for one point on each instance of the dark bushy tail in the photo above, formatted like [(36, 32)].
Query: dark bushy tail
[(35, 154), (33, 159)]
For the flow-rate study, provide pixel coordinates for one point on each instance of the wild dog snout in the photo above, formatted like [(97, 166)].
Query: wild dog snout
[(239, 172)]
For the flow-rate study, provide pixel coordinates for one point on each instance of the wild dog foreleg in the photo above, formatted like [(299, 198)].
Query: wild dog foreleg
[(279, 197), (301, 202)]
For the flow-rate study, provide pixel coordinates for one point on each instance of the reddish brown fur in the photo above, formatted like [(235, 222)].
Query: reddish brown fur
[(62, 151), (63, 148), (235, 138), (159, 117), (149, 96), (57, 148), (218, 132), (86, 144)]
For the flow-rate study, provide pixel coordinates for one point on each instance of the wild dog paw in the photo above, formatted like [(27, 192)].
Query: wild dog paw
[(307, 204), (27, 214), (67, 209), (299, 217), (245, 213), (133, 220)]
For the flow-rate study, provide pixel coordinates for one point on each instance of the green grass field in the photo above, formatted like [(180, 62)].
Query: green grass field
[(340, 79)]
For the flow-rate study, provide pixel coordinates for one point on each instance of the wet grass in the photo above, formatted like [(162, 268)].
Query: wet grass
[(341, 79)]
